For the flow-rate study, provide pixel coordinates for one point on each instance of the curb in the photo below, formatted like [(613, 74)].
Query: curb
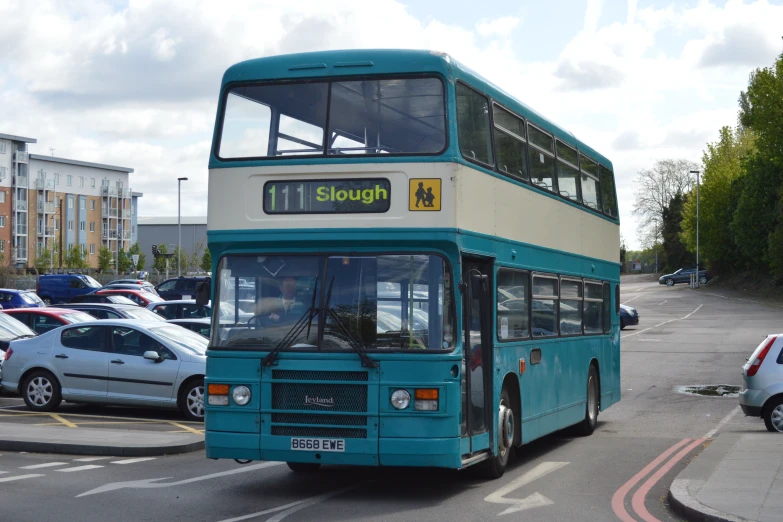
[(108, 451), (684, 504)]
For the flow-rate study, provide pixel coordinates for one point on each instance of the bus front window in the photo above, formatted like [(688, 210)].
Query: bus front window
[(395, 302)]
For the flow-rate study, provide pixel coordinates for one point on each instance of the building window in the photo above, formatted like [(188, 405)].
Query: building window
[(92, 226), (57, 224), (2, 172), (92, 204), (70, 225), (68, 180), (2, 195), (81, 181), (2, 245), (92, 182), (82, 204), (82, 226), (2, 221), (70, 202), (2, 147), (56, 178), (92, 248), (83, 246)]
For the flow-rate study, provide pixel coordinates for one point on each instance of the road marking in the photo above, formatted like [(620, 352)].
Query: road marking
[(637, 502), (132, 461), (186, 428), (631, 299), (45, 465), (3, 472), (293, 507), (533, 501), (153, 483), (66, 422), (79, 468), (618, 499), (20, 477), (663, 323), (662, 302), (91, 459), (726, 419), (690, 314), (648, 340)]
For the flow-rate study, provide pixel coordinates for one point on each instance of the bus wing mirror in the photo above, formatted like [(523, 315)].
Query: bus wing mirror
[(202, 291)]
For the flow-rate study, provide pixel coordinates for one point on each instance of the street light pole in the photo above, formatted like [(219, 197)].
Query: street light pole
[(697, 226), (179, 227)]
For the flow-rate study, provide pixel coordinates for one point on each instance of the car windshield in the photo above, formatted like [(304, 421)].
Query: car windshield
[(31, 298), (91, 283), (11, 328), (120, 299), (386, 302), (183, 338), (152, 298), (142, 314), (78, 317)]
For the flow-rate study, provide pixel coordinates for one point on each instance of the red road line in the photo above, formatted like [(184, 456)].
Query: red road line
[(638, 498), (618, 499)]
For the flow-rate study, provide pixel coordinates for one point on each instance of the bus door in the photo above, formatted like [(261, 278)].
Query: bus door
[(476, 405)]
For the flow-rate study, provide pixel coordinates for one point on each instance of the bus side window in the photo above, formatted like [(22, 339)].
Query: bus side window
[(473, 125), (608, 305)]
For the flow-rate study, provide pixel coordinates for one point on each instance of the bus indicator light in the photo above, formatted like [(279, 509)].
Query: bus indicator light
[(521, 366), (430, 394)]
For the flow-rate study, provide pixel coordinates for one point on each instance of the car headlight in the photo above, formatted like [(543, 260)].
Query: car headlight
[(400, 399), (241, 395)]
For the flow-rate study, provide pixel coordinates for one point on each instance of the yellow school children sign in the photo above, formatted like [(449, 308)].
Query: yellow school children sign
[(424, 194)]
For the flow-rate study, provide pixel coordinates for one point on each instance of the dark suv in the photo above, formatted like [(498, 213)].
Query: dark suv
[(179, 288), (683, 275)]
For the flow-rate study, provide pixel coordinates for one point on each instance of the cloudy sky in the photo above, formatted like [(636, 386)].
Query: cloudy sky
[(135, 83)]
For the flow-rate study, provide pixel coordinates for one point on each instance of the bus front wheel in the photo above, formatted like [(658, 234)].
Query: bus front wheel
[(506, 430), (303, 467)]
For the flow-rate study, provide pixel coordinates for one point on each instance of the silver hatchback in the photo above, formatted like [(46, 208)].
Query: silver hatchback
[(762, 393)]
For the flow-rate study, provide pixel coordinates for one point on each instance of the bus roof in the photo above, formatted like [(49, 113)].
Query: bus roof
[(360, 62)]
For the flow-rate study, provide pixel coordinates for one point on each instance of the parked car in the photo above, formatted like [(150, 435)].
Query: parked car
[(683, 275), (41, 320), (762, 374), (114, 311), (628, 316), (201, 326), (116, 361), (10, 298), (12, 329), (139, 297), (145, 287), (179, 287), (61, 288), (102, 298), (180, 309)]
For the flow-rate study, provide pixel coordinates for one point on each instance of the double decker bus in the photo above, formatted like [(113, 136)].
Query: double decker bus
[(410, 267)]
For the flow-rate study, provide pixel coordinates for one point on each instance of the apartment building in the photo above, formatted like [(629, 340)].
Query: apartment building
[(55, 203)]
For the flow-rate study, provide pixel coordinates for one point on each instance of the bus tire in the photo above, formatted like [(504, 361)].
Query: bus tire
[(303, 467), (495, 466), (588, 424)]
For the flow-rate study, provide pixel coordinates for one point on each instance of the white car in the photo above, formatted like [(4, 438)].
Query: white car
[(113, 361)]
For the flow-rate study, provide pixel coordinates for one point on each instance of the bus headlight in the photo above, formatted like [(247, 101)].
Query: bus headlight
[(400, 399), (241, 395)]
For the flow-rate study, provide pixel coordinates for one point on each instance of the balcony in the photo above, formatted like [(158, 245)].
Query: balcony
[(126, 235), (46, 231), (109, 191), (126, 213), (21, 229), (45, 207), (21, 157), (110, 234), (44, 184), (109, 212), (126, 193), (20, 206), (20, 256), (21, 181)]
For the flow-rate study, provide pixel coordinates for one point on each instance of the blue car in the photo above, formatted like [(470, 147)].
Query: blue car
[(628, 316), (10, 298)]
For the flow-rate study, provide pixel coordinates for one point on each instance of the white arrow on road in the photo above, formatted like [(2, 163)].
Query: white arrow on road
[(155, 483), (533, 501)]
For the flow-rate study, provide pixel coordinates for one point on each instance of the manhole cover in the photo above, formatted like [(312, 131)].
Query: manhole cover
[(710, 390)]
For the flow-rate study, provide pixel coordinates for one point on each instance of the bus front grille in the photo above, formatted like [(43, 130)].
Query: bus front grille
[(306, 418), (316, 375), (307, 431), (319, 397)]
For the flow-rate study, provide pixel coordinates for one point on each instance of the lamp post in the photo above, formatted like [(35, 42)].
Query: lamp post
[(179, 227), (697, 226)]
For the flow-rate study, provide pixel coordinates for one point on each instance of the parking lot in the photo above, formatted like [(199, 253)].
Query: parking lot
[(83, 416)]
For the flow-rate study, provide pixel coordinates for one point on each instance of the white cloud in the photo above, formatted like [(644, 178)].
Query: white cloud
[(138, 86)]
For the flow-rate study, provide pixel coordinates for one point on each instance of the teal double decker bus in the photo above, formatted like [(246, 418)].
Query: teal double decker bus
[(411, 267)]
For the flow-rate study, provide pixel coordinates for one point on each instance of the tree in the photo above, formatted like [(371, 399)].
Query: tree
[(105, 259), (135, 249), (160, 262), (676, 253), (761, 110), (723, 165), (655, 189), (43, 260), (206, 260), (124, 262), (74, 257), (180, 259)]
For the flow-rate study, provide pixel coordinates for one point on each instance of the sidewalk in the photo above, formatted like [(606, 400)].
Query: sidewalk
[(96, 441), (738, 477)]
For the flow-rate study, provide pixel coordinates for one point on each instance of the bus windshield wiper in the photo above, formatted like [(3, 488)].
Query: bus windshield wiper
[(293, 333), (352, 341)]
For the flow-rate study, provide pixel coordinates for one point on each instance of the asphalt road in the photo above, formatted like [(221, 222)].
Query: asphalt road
[(685, 337)]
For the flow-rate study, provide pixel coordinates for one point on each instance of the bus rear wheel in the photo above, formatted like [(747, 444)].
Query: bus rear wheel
[(303, 467), (506, 431), (588, 424)]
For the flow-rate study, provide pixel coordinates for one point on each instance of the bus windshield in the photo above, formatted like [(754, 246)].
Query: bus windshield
[(329, 303), (369, 116)]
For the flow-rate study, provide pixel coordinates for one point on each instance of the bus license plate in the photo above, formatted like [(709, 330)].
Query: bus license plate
[(336, 445)]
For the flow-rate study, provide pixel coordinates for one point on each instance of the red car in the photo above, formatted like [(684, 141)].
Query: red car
[(42, 320), (140, 297)]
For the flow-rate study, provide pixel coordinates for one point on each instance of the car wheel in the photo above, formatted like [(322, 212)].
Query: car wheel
[(41, 391), (773, 415), (303, 467), (703, 280), (506, 431), (670, 282), (587, 426), (622, 323), (192, 400)]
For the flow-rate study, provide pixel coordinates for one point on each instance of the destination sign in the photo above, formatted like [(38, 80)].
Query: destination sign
[(327, 196)]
